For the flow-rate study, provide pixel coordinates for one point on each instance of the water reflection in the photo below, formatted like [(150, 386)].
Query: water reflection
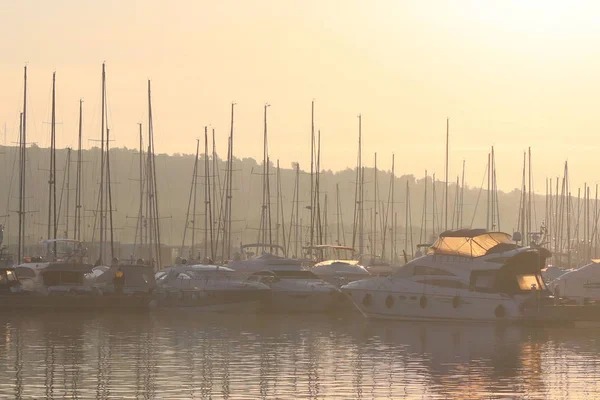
[(187, 355)]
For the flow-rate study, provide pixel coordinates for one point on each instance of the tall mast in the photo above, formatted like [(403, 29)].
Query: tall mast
[(101, 192), (393, 230), (265, 220), (277, 204), (446, 190), (489, 174), (230, 181), (215, 174), (462, 197), (297, 231), (109, 194), (529, 220), (139, 228), (374, 247), (317, 199), (312, 162), (195, 189), (337, 212), (423, 231), (152, 194), (406, 219), (280, 196), (77, 228), (68, 173), (52, 231), (523, 201), (208, 233), (360, 191), (494, 193), (21, 185)]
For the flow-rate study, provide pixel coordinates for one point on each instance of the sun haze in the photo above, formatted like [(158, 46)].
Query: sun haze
[(511, 74)]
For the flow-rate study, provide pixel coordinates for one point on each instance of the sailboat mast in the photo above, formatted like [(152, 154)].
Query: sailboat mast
[(446, 190), (277, 204), (462, 196), (68, 173), (52, 170), (230, 182), (360, 190), (101, 193), (393, 227), (529, 217), (297, 229), (312, 184), (153, 193), (109, 194), (77, 227), (195, 191), (374, 247), (207, 216)]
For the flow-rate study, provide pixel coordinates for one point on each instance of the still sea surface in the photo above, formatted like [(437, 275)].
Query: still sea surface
[(191, 355)]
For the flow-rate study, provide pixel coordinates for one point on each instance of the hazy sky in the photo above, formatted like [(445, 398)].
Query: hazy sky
[(508, 73)]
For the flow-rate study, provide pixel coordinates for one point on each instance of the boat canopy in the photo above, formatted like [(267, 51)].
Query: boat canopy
[(469, 242)]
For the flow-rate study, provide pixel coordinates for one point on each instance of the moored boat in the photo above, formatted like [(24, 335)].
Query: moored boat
[(466, 275), (207, 288)]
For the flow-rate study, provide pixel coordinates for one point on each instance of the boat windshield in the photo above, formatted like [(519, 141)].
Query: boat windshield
[(469, 246)]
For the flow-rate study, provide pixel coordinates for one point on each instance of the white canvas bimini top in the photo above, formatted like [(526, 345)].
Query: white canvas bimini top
[(468, 243)]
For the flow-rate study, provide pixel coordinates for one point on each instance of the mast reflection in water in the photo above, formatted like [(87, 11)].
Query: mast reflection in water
[(183, 356)]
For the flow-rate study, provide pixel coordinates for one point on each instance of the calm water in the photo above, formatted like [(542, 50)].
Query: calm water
[(189, 355)]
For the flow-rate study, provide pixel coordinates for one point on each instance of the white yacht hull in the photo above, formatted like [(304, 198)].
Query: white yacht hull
[(465, 306)]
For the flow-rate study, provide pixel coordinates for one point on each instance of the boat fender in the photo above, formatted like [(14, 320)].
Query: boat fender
[(500, 312), (456, 302), (389, 301), (423, 301), (367, 300)]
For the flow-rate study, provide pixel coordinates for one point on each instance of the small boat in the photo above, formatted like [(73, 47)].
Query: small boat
[(208, 288), (298, 290), (469, 274)]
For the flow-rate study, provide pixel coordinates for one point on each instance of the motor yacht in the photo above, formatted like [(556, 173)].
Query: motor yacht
[(469, 274), (208, 288)]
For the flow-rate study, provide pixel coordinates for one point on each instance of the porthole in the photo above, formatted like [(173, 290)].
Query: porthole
[(389, 301), (500, 312), (456, 302), (367, 300)]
